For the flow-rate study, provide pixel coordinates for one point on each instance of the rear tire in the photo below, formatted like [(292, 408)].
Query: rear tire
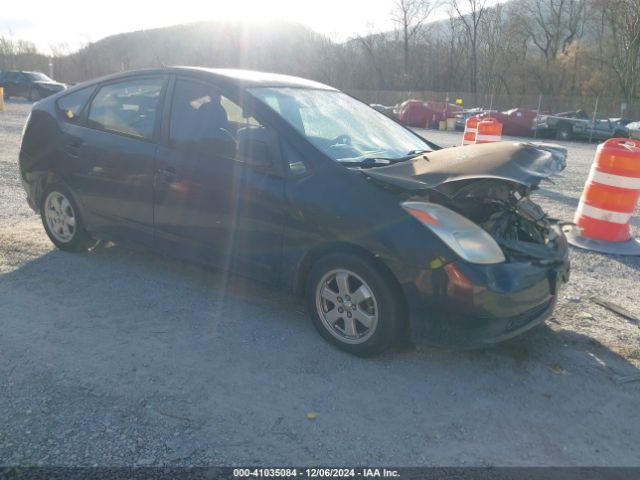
[(62, 221), (354, 304)]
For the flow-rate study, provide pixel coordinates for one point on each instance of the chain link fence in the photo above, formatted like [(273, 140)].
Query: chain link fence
[(603, 107)]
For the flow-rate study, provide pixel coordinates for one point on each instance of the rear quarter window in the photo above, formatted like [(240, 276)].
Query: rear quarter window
[(70, 106), (128, 107)]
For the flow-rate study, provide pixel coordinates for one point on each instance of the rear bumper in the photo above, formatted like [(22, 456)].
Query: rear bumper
[(30, 197), (469, 306), (30, 182)]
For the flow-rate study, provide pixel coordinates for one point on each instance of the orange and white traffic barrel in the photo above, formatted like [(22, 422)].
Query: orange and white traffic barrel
[(489, 130), (470, 129), (609, 199)]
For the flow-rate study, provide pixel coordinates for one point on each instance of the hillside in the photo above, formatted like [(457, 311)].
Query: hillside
[(278, 47)]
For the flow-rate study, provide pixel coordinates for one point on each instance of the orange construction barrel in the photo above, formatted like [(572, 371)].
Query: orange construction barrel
[(489, 130), (470, 128), (609, 198)]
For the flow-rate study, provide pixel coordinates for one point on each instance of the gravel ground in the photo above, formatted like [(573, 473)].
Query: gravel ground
[(117, 357)]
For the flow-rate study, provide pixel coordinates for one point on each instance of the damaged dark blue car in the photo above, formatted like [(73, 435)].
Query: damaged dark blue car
[(385, 236)]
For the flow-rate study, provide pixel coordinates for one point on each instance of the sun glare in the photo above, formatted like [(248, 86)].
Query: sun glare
[(76, 22)]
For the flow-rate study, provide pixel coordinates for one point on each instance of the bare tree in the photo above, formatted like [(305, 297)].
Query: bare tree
[(623, 17), (570, 50), (470, 13), (553, 25), (411, 15)]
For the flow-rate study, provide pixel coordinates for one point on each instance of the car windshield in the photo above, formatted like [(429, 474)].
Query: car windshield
[(38, 77), (347, 130)]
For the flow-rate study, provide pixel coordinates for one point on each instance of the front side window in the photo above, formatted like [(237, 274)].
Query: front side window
[(204, 120), (71, 105), (127, 107), (345, 129)]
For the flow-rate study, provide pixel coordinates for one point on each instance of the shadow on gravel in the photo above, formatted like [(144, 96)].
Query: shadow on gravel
[(157, 349), (115, 281)]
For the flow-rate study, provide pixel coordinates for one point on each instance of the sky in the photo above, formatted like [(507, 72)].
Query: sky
[(75, 23)]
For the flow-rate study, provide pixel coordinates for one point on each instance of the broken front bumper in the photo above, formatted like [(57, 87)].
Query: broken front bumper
[(468, 305)]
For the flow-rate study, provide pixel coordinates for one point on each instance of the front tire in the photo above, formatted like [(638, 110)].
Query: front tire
[(354, 303), (62, 222)]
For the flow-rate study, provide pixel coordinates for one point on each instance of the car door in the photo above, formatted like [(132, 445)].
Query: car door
[(212, 199), (112, 156)]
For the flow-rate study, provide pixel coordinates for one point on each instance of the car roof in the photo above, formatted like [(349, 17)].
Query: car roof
[(228, 76), (257, 79)]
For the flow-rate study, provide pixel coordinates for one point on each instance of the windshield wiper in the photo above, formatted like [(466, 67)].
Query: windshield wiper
[(413, 153), (372, 162), (368, 162)]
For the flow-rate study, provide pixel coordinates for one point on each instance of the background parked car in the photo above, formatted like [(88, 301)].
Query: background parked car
[(634, 129), (516, 122), (461, 117), (577, 124), (30, 85), (416, 113)]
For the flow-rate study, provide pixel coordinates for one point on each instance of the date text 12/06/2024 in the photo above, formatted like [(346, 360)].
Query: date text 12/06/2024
[(314, 473)]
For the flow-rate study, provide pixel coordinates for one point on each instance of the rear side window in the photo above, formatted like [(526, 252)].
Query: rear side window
[(71, 105), (127, 107)]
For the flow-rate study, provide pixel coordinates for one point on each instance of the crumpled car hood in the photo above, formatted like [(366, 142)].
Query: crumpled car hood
[(524, 163)]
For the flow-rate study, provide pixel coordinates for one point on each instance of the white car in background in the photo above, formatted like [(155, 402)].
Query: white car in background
[(634, 130)]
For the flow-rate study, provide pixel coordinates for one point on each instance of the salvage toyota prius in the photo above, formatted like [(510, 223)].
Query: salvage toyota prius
[(385, 236)]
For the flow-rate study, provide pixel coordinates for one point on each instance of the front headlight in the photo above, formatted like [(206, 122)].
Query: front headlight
[(463, 236)]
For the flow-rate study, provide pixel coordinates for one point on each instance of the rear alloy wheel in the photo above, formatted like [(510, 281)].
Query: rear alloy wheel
[(353, 303), (62, 222)]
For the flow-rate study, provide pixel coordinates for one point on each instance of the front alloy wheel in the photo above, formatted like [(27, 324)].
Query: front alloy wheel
[(347, 307), (355, 303)]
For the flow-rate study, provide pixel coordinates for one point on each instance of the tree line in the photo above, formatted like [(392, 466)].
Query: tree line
[(558, 48)]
